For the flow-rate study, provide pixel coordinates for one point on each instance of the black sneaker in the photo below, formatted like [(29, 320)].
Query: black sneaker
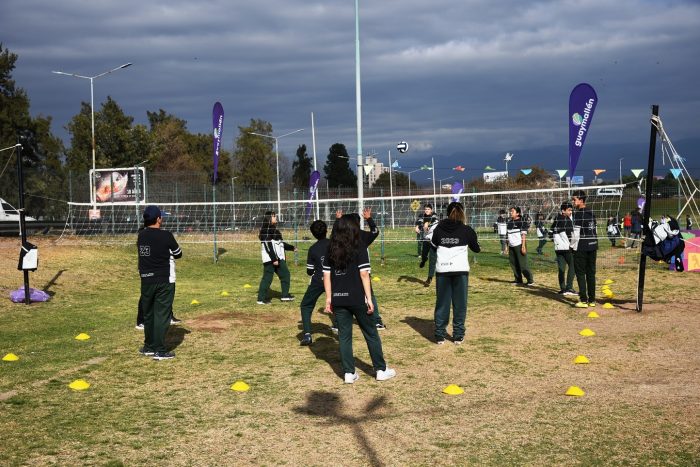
[(306, 340), (163, 356), (561, 292), (146, 353), (288, 298), (427, 282), (380, 325), (174, 321), (440, 341), (422, 263)]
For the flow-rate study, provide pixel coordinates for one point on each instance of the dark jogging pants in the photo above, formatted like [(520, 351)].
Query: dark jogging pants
[(451, 290), (344, 315), (157, 300), (584, 263)]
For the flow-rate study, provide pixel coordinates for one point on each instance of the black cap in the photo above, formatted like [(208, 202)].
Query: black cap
[(151, 213)]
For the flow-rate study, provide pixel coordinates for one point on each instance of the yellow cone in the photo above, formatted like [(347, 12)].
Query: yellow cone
[(82, 337), (376, 279), (240, 386), (225, 294), (608, 306), (609, 281), (609, 295), (194, 302), (247, 286), (593, 314), (575, 391), (605, 287), (79, 385), (581, 360), (586, 332), (453, 390), (10, 357)]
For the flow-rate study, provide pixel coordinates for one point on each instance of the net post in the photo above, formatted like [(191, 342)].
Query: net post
[(647, 209)]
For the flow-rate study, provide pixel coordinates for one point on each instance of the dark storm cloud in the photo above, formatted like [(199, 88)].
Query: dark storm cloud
[(444, 75)]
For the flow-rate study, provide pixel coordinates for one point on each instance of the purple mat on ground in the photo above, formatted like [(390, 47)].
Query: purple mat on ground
[(35, 295)]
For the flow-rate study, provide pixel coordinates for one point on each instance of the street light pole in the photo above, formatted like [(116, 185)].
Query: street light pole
[(92, 117), (621, 170), (277, 162)]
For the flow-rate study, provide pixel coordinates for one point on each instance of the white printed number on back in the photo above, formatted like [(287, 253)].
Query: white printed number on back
[(144, 250)]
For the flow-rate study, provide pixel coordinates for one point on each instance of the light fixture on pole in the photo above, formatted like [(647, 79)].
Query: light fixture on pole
[(508, 158), (92, 114), (277, 163)]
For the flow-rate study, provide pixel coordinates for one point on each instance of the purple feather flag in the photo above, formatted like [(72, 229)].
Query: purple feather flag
[(218, 121), (313, 185), (582, 104), (457, 189)]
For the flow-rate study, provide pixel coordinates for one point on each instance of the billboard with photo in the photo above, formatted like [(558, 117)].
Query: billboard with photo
[(122, 185), (490, 177)]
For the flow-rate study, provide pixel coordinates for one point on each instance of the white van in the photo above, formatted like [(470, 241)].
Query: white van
[(609, 192), (9, 213)]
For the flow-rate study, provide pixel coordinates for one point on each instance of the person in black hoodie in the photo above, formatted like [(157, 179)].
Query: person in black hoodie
[(272, 249), (585, 247), (157, 250), (314, 268), (451, 239)]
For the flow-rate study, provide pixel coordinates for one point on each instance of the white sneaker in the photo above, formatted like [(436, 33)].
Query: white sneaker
[(383, 375), (351, 377), (334, 330), (139, 327)]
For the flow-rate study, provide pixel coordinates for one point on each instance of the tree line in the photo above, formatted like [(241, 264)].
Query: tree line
[(163, 145)]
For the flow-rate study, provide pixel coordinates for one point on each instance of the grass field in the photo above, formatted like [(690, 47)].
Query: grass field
[(641, 403)]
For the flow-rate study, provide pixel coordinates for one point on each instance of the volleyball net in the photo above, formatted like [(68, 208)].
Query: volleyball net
[(230, 223)]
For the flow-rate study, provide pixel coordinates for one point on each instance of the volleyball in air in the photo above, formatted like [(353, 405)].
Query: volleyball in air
[(402, 147)]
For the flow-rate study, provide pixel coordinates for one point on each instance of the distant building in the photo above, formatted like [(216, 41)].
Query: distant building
[(373, 169)]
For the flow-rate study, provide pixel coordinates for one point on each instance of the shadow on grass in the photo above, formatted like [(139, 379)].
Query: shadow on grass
[(329, 406), (175, 336), (221, 252), (52, 282), (410, 279), (326, 349), (318, 328), (424, 327)]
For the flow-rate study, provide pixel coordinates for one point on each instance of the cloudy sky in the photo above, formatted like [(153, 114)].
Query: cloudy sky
[(477, 76)]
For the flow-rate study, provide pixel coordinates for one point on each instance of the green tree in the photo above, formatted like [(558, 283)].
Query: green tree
[(254, 157), (117, 142), (41, 152), (337, 168), (302, 168), (400, 180)]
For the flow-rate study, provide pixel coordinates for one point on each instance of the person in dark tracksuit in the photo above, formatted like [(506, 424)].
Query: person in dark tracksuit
[(430, 222), (562, 233), (541, 233), (272, 249), (502, 230), (346, 282), (367, 238), (516, 229), (452, 239), (585, 248), (157, 250), (314, 268)]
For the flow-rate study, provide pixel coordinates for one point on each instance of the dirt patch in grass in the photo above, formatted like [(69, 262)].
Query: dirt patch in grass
[(221, 321)]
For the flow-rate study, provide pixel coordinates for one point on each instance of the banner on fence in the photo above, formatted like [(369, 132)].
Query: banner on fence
[(313, 186), (122, 185)]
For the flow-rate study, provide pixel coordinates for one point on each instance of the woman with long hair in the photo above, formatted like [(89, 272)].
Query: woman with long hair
[(452, 239), (348, 294), (272, 249)]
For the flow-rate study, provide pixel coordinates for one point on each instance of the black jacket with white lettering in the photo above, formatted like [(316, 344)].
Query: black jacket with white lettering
[(451, 239), (157, 249)]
